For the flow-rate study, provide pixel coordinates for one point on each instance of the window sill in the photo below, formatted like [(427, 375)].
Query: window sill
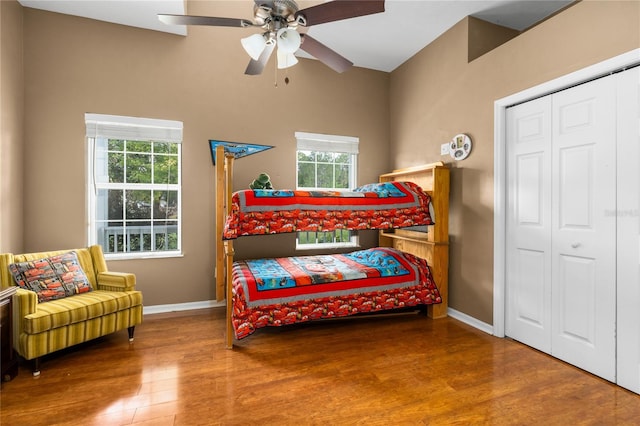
[(142, 256), (322, 246)]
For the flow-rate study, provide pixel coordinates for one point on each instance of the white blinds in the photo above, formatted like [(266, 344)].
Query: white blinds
[(133, 128), (330, 143)]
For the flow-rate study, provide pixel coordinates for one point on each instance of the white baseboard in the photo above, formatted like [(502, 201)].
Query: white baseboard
[(469, 320), (161, 309)]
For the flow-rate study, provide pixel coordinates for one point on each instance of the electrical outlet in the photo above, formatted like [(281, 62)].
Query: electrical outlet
[(444, 149)]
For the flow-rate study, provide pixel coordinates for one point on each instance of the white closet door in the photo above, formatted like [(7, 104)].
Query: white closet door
[(528, 272), (561, 225), (628, 217), (584, 226)]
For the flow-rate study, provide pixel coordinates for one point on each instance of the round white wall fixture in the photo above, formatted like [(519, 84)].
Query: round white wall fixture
[(460, 147)]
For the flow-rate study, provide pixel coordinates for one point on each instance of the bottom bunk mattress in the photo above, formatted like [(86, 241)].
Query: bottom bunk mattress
[(288, 290)]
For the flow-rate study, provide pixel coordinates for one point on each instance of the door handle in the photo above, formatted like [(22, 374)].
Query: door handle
[(576, 245)]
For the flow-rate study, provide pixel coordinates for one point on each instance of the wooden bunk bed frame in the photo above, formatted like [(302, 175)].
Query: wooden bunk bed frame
[(432, 245)]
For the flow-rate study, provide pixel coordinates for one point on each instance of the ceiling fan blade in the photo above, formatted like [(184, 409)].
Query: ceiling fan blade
[(204, 20), (268, 3), (256, 67), (325, 55), (339, 9)]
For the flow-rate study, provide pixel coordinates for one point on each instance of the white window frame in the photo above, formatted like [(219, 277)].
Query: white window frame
[(329, 143), (132, 129)]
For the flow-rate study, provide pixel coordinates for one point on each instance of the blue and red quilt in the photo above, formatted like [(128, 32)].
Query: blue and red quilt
[(385, 205), (297, 289)]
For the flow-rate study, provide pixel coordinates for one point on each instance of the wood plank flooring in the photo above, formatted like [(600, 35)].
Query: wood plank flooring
[(398, 370)]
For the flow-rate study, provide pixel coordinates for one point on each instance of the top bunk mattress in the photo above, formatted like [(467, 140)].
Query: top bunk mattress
[(387, 205)]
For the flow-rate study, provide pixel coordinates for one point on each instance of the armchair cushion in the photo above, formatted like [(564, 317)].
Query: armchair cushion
[(52, 277), (79, 308)]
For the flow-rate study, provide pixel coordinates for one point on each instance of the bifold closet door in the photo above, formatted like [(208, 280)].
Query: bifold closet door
[(528, 296), (628, 220), (583, 227), (561, 246)]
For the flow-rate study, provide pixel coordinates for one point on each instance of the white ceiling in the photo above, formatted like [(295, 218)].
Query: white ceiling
[(381, 42)]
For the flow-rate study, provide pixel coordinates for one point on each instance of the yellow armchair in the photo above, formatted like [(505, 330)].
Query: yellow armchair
[(40, 328)]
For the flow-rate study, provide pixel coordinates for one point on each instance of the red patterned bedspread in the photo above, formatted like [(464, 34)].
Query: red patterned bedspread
[(274, 292), (375, 206)]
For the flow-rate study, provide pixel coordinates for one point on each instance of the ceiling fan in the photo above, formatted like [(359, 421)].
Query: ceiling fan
[(279, 20)]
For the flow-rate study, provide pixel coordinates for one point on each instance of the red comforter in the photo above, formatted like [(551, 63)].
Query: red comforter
[(274, 292), (375, 206)]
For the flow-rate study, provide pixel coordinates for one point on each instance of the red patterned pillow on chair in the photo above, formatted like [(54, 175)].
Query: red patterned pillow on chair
[(38, 276), (70, 273), (53, 277)]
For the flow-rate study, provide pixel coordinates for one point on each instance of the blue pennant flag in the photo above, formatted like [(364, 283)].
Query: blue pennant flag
[(238, 149)]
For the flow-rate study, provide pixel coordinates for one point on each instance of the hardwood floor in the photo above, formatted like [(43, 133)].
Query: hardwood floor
[(400, 370)]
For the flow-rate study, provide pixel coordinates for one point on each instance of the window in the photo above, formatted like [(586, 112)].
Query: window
[(134, 185), (326, 162)]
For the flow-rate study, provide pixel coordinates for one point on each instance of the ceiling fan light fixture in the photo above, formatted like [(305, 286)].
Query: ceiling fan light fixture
[(279, 20), (288, 40), (286, 60), (254, 45)]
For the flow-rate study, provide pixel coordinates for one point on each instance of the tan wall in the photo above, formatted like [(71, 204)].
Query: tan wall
[(438, 94), (11, 126), (75, 65)]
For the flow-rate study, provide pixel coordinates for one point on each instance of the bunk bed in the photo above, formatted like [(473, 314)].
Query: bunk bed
[(408, 207)]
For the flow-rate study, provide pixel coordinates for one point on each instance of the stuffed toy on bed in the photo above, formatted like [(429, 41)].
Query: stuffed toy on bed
[(262, 182)]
